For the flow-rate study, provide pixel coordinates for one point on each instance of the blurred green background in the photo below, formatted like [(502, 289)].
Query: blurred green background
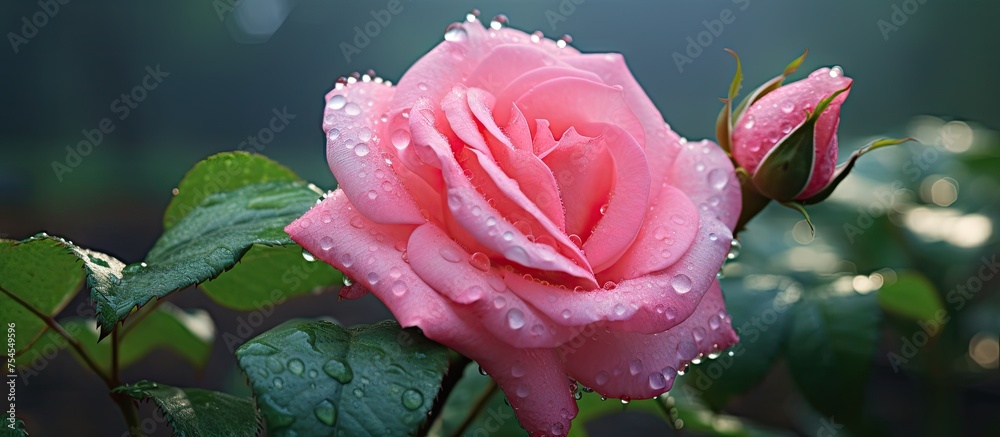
[(231, 64)]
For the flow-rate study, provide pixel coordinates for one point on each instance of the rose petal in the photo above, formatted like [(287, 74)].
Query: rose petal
[(533, 379), (543, 142), (572, 101), (667, 231), (704, 172), (520, 85), (583, 171), (354, 152), (617, 229), (475, 214), (449, 269), (639, 366), (647, 304)]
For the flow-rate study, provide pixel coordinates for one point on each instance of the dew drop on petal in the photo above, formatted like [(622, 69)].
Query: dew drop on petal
[(657, 381), (602, 378), (336, 102), (399, 288), (517, 370), (717, 178), (515, 318), (361, 149), (449, 254), (352, 108), (480, 261), (681, 283), (635, 367), (455, 33)]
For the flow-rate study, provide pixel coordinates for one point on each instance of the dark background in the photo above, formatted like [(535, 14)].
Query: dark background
[(227, 74)]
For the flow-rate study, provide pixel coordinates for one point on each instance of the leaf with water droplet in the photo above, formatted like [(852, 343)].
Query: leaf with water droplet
[(344, 380), (198, 412), (203, 244)]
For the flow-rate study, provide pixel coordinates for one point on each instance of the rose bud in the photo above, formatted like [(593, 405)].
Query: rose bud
[(785, 137), (526, 205)]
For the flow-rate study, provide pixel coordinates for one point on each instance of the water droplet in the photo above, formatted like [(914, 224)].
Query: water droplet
[(681, 283), (175, 191), (482, 371), (472, 15), (537, 36), (480, 261), (336, 102), (576, 240), (278, 383), (676, 218), (517, 370), (670, 314), (449, 254), (308, 256), (750, 122), (564, 41), (713, 237), (372, 278), (346, 260), (714, 322), (508, 236), (788, 107), (352, 108), (364, 134), (660, 233), (422, 86), (625, 401), (619, 310), (455, 33), (602, 378), (399, 288), (275, 366), (734, 249), (566, 314), (523, 390), (400, 139), (717, 178), (515, 318), (359, 393), (499, 302), (698, 334), (326, 412), (361, 149), (635, 367), (604, 209), (686, 350), (326, 243), (558, 429), (836, 71), (412, 399), (295, 366), (610, 285), (338, 370), (499, 21)]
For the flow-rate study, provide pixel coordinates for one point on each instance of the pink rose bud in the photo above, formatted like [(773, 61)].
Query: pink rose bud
[(787, 140)]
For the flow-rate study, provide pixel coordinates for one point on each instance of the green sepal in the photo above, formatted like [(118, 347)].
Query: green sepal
[(769, 86), (786, 170), (844, 169), (724, 123), (802, 210)]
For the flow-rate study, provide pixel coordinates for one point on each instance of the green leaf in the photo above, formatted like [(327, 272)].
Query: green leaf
[(760, 308), (198, 412), (831, 347), (270, 275), (15, 429), (204, 243), (495, 417), (188, 333), (912, 296), (219, 173), (41, 272), (317, 378)]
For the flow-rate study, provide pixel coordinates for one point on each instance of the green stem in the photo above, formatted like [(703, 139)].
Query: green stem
[(55, 326), (456, 368), (129, 412), (477, 406)]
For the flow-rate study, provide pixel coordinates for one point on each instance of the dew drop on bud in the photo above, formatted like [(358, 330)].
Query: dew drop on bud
[(499, 22), (455, 33)]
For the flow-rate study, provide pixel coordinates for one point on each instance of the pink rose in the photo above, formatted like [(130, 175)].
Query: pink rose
[(527, 206), (780, 118)]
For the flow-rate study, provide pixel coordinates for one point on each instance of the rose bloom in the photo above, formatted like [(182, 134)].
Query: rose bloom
[(778, 115), (527, 206)]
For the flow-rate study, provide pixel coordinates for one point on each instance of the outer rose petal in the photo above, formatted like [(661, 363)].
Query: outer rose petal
[(447, 268), (647, 304), (704, 172), (638, 366), (533, 379), (354, 142), (783, 109)]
